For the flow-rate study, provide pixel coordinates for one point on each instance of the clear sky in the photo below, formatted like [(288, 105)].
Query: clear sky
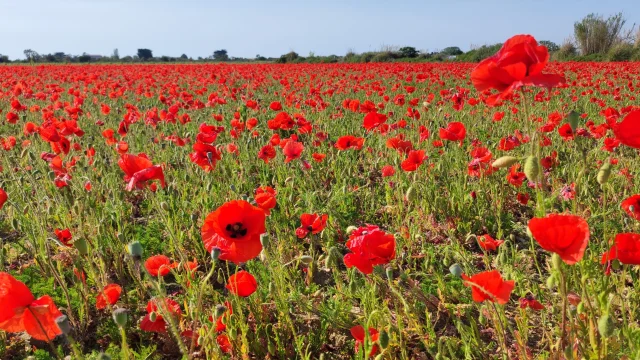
[(272, 28)]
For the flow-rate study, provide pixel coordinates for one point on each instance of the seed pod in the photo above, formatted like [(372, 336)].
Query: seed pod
[(384, 339), (604, 173), (606, 326), (63, 323), (504, 162), (120, 317), (306, 259), (411, 194), (81, 245), (153, 316), (135, 250), (532, 168), (455, 270)]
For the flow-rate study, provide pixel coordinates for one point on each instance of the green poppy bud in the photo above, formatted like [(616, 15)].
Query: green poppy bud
[(63, 324), (411, 194), (153, 316), (456, 270), (604, 173), (389, 273), (504, 162), (135, 250), (573, 119), (306, 259), (164, 206), (81, 245), (215, 253), (384, 339), (606, 326), (556, 261), (120, 317), (532, 168), (264, 240)]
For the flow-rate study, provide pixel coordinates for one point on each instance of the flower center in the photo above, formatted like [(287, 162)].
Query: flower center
[(236, 230)]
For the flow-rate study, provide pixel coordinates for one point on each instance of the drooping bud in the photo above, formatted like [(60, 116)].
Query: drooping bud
[(604, 173), (384, 339), (153, 316), (389, 273), (532, 168), (164, 206), (411, 194), (606, 326), (306, 259), (120, 317), (504, 162), (81, 245), (556, 261), (135, 250), (455, 270)]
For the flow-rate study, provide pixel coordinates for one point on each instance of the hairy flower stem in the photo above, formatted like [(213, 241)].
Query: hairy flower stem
[(503, 334)]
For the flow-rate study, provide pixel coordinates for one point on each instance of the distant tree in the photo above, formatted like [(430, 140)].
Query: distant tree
[(260, 58), (31, 55), (60, 56), (127, 59), (116, 54), (596, 35), (145, 54), (184, 57), (551, 46), (452, 51), (408, 52), (84, 58), (288, 58), (50, 58), (220, 55), (4, 59)]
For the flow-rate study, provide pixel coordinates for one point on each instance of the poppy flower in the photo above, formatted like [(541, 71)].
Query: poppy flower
[(20, 311), (138, 170), (387, 171), (349, 142), (414, 159), (318, 157), (311, 223), (64, 236), (455, 131), (157, 323), (488, 243), (224, 343), (530, 302), (630, 205), (265, 198), (369, 247), (159, 265), (628, 131), (204, 155), (235, 229), (275, 106), (110, 294), (490, 286), (3, 198), (565, 235), (372, 120), (292, 150), (626, 249), (358, 334), (515, 177), (518, 63), (242, 284), (267, 153)]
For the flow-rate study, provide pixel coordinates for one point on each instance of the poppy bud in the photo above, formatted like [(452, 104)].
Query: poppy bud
[(232, 333), (220, 310), (271, 346), (615, 265), (264, 240), (604, 173), (455, 270), (306, 259), (164, 206), (135, 250), (389, 273), (532, 168), (332, 257), (379, 357), (606, 326), (215, 253), (552, 280), (220, 278), (556, 261), (384, 339), (120, 317), (411, 194), (504, 162), (153, 316), (81, 245), (63, 324), (573, 120)]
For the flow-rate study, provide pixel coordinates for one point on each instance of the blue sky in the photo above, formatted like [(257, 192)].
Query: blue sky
[(272, 28)]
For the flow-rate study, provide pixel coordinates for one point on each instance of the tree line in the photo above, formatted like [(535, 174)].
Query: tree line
[(595, 38)]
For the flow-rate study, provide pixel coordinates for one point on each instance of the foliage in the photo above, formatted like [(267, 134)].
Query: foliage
[(408, 52), (220, 55), (145, 54), (597, 35)]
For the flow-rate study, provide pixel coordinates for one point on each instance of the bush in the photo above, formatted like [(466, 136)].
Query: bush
[(621, 52), (479, 54), (367, 57), (385, 56), (566, 52)]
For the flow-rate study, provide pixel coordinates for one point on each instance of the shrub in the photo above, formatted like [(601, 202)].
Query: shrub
[(386, 56), (621, 52), (566, 52)]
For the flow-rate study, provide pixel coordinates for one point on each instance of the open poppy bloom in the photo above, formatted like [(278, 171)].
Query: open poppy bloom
[(292, 150), (311, 223), (64, 236), (349, 142), (20, 311), (358, 334), (242, 284), (372, 120), (3, 198), (204, 155), (626, 249), (488, 243), (490, 286), (224, 343), (109, 295), (565, 235), (267, 153), (369, 247), (153, 321), (455, 131), (631, 206), (414, 159), (138, 170), (159, 265), (518, 63), (235, 229), (530, 302), (628, 131), (265, 197)]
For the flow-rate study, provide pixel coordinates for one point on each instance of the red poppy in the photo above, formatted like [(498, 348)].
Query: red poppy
[(565, 235), (138, 170), (455, 131), (388, 170), (292, 150), (372, 120), (64, 236), (159, 265), (369, 247), (20, 311), (275, 106), (156, 322), (242, 284), (530, 302), (311, 223), (488, 243), (349, 142), (204, 155), (267, 153), (490, 286), (628, 131), (414, 159), (358, 334), (626, 249), (318, 157), (224, 343), (518, 63), (3, 198), (630, 205), (235, 229), (265, 198), (515, 177), (110, 294)]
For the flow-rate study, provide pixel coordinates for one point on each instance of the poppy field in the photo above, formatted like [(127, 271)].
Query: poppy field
[(321, 211)]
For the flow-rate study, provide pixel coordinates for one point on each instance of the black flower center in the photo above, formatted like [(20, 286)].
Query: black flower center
[(236, 230)]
